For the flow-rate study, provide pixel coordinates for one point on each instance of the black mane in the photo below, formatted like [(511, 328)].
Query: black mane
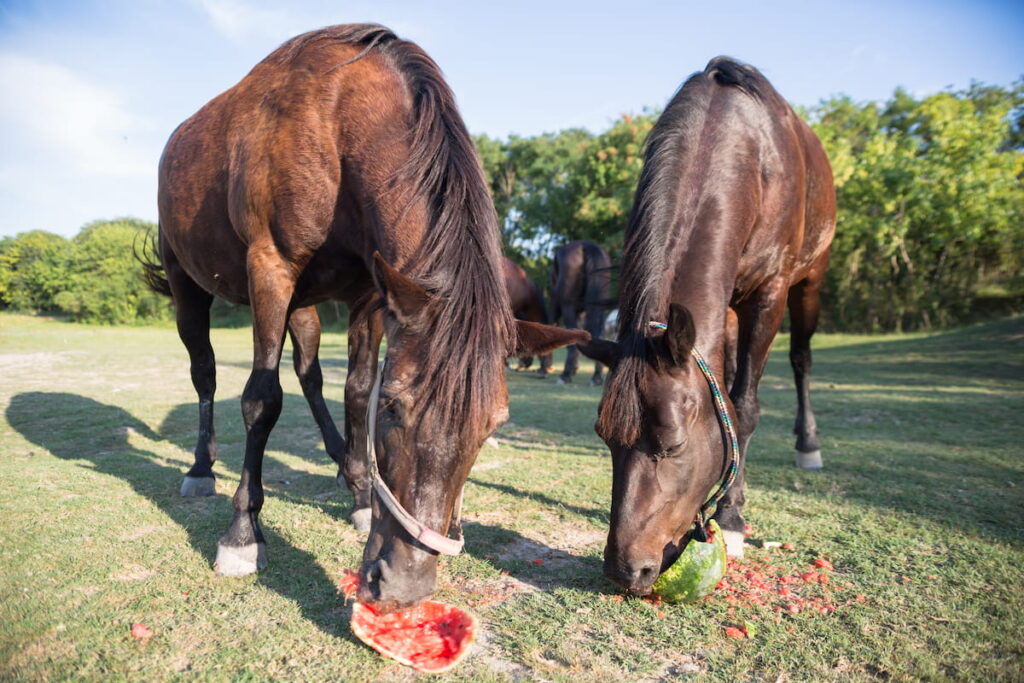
[(657, 224)]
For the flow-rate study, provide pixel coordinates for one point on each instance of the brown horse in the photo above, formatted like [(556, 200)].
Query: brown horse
[(580, 284), (527, 304), (339, 168), (735, 209)]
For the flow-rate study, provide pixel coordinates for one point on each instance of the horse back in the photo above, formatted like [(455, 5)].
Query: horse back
[(261, 166)]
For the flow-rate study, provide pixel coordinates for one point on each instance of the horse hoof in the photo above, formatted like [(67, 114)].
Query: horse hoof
[(361, 519), (492, 442), (561, 380), (733, 543), (596, 381), (198, 486), (240, 560), (809, 461)]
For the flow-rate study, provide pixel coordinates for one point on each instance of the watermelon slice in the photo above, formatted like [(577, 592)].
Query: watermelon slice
[(430, 637), (697, 571)]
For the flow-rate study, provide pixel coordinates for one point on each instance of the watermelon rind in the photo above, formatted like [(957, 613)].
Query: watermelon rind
[(697, 571)]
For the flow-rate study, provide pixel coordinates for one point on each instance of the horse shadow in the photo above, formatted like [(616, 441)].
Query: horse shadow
[(103, 445)]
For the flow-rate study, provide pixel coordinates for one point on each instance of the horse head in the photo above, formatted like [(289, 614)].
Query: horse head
[(660, 424), (426, 442)]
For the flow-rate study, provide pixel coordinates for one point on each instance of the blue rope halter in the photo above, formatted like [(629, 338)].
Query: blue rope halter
[(732, 447)]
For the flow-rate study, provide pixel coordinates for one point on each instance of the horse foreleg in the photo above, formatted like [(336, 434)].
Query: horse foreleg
[(192, 314), (304, 329), (242, 549), (758, 321), (364, 334), (804, 305)]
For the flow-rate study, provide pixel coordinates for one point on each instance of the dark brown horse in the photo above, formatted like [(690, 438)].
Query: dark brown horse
[(339, 168), (580, 284), (735, 209), (527, 304)]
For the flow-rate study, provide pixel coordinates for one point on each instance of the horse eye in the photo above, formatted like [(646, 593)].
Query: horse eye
[(672, 451)]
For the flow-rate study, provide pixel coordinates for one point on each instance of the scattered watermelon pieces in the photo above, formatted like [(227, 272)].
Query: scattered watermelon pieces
[(141, 632), (430, 637)]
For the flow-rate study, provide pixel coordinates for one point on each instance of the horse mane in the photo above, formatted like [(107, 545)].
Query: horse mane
[(460, 259), (657, 223)]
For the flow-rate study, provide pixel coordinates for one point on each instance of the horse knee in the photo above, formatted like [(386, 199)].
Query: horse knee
[(262, 400)]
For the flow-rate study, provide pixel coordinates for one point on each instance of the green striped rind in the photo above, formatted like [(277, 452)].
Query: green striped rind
[(697, 571)]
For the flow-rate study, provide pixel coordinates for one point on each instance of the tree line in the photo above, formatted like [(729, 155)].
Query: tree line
[(930, 229)]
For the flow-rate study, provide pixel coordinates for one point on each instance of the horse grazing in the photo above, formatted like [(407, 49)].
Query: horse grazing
[(339, 168), (735, 209), (527, 304), (580, 283)]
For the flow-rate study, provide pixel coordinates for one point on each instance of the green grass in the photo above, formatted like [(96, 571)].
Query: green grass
[(924, 475)]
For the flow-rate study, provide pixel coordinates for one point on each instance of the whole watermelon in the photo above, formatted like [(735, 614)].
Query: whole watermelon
[(697, 571)]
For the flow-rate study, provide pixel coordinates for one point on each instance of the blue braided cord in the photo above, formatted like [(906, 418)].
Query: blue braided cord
[(730, 430)]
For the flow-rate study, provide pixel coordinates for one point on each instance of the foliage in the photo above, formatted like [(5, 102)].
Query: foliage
[(93, 277), (931, 206), (931, 202)]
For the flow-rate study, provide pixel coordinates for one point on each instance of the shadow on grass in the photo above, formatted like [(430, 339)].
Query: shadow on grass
[(532, 562), (77, 428)]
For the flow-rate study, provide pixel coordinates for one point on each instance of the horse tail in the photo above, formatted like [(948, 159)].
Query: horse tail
[(153, 273)]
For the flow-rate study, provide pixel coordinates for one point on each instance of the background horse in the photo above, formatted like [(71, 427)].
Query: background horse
[(580, 284), (527, 304), (735, 208), (339, 168)]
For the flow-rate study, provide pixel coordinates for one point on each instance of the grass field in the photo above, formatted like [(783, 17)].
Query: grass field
[(920, 509)]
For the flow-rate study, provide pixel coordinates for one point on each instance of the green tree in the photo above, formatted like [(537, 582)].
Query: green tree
[(105, 283), (33, 270)]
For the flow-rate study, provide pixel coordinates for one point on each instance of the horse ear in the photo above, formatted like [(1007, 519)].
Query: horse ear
[(405, 299), (680, 334), (602, 350), (535, 339)]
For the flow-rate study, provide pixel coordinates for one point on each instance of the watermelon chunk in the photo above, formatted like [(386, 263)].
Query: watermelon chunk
[(697, 571), (432, 637)]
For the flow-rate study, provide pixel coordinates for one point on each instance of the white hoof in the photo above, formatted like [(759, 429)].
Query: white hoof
[(809, 461), (560, 381), (361, 519), (733, 543), (198, 486), (492, 442), (240, 561)]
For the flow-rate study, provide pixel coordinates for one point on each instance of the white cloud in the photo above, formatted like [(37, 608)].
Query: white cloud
[(47, 109), (238, 21)]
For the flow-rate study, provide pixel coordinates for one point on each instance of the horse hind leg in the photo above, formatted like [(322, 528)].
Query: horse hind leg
[(304, 329), (192, 313), (804, 306), (242, 549)]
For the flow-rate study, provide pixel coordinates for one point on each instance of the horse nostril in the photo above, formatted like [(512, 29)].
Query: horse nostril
[(647, 572)]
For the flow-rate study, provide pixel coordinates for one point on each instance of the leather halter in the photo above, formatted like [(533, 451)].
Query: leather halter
[(425, 535)]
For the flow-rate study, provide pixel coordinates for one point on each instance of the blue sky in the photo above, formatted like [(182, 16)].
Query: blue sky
[(90, 89)]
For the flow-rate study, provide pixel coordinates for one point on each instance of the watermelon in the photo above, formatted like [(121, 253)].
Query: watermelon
[(430, 637), (697, 571)]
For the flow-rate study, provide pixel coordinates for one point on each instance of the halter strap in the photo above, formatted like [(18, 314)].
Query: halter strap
[(425, 535), (732, 447)]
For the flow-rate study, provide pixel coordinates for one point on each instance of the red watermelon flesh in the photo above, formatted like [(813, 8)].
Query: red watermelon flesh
[(431, 636)]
